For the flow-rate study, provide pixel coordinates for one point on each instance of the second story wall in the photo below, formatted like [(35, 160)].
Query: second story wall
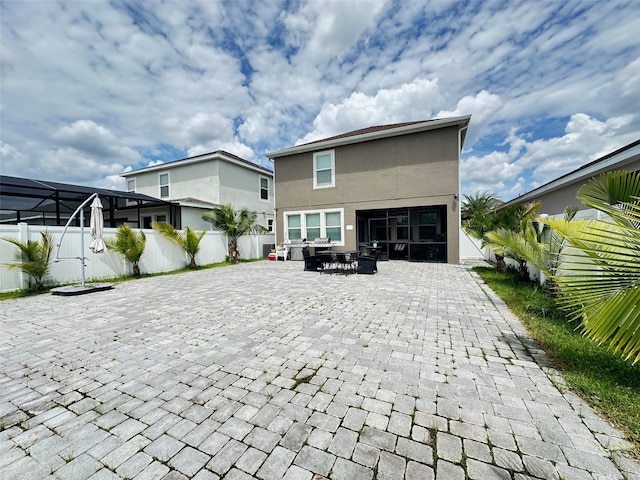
[(414, 166), (198, 180), (243, 188)]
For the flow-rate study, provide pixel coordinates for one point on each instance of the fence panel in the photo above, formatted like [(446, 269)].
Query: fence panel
[(160, 255)]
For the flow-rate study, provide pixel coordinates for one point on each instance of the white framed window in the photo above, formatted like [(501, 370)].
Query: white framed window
[(163, 181), (131, 188), (293, 223), (312, 224), (270, 225), (264, 188), (160, 218), (324, 169)]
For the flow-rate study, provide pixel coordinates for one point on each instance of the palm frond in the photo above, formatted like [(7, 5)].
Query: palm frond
[(599, 275), (234, 223), (33, 257), (128, 243)]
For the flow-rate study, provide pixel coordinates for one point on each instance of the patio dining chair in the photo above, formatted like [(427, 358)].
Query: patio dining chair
[(310, 261), (368, 264)]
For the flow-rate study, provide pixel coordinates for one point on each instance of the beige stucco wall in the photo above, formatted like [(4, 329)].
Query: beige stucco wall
[(413, 170), (554, 203)]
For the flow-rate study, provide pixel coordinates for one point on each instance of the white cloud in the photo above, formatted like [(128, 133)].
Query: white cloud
[(324, 29), (412, 101), (257, 128), (66, 165), (93, 139), (199, 128), (585, 139), (483, 108), (97, 82), (233, 146)]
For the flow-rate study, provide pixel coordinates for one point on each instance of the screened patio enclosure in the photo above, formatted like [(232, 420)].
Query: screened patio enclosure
[(37, 202), (415, 233)]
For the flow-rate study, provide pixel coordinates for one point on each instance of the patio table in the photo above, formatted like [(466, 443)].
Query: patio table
[(335, 261)]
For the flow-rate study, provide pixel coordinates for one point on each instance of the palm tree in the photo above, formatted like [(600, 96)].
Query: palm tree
[(506, 224), (129, 244), (234, 223), (188, 240), (33, 257), (599, 277), (476, 212), (530, 246)]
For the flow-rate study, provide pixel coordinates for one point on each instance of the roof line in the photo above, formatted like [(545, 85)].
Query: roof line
[(372, 133), (220, 154), (586, 170)]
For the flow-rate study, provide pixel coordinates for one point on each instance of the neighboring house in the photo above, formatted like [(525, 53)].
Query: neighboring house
[(397, 185), (561, 192), (198, 184)]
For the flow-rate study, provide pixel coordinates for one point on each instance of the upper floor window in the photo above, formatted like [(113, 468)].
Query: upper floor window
[(131, 188), (324, 174), (264, 188), (163, 180)]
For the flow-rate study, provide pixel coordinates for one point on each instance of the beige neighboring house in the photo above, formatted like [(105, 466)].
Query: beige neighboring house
[(561, 192), (197, 184), (397, 185)]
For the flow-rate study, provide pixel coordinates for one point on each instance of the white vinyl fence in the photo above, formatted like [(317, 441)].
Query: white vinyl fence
[(160, 254)]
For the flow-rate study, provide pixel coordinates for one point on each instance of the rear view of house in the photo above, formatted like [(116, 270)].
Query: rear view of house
[(396, 185)]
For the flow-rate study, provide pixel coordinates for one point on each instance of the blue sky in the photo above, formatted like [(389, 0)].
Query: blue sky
[(90, 89)]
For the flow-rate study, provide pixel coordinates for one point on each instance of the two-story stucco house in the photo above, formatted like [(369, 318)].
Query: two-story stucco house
[(197, 184), (397, 185)]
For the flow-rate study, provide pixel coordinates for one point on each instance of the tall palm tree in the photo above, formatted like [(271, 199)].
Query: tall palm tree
[(188, 240), (475, 213), (129, 244), (234, 223), (599, 276), (33, 257)]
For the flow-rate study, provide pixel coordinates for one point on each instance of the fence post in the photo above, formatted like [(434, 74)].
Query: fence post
[(23, 236)]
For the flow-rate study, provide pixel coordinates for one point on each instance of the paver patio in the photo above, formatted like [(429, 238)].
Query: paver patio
[(264, 371)]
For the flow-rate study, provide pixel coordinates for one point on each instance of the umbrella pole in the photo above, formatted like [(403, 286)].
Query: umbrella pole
[(81, 257), (82, 244)]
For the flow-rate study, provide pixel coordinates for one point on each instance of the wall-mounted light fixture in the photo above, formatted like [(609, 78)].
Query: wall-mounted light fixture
[(455, 195)]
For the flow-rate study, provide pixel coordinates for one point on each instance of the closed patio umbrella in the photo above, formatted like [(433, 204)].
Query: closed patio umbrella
[(97, 226)]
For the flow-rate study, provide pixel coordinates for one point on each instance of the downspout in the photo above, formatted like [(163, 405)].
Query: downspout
[(275, 210), (459, 225)]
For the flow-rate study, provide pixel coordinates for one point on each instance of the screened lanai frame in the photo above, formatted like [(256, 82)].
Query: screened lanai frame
[(38, 202)]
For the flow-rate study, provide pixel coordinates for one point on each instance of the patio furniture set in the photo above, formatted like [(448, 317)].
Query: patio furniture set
[(345, 262)]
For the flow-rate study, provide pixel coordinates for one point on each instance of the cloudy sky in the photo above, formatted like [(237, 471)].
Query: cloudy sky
[(90, 89)]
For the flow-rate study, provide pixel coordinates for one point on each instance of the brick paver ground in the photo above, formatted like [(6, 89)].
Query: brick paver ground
[(265, 371)]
